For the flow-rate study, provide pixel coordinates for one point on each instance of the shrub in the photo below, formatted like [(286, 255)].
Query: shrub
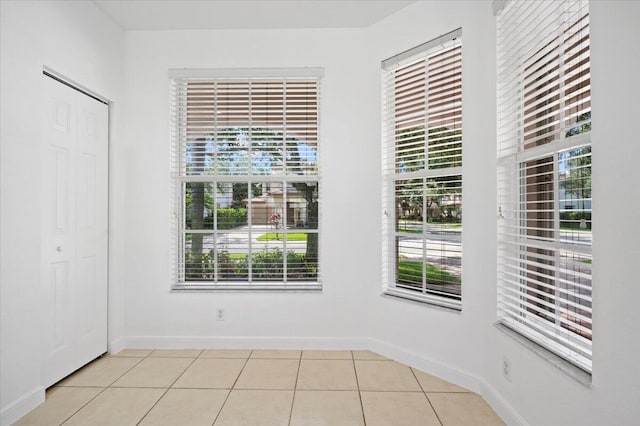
[(228, 218), (199, 267), (267, 264), (230, 268), (299, 268)]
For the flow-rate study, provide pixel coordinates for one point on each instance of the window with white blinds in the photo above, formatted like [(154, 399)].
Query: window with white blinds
[(245, 175), (422, 167), (544, 175)]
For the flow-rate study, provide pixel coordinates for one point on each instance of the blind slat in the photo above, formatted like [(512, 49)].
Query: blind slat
[(422, 166), (245, 164), (544, 175)]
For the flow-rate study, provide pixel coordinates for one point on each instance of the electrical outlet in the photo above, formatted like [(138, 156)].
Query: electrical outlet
[(506, 368), (220, 314)]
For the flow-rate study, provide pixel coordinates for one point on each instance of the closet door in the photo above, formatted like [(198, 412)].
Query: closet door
[(74, 232)]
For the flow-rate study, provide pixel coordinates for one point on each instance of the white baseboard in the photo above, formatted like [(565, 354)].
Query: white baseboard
[(498, 403), (242, 342), (21, 406), (452, 374), (115, 346), (440, 369)]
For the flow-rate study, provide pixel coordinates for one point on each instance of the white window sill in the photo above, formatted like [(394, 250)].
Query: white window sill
[(576, 373), (248, 287), (429, 299)]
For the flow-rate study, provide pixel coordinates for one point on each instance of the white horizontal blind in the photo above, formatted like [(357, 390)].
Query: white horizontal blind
[(544, 175), (245, 172), (422, 166)]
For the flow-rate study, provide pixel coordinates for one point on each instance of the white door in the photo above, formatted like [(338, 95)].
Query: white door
[(74, 232)]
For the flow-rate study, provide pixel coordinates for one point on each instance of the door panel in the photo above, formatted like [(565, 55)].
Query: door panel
[(74, 234), (92, 208), (60, 298), (58, 248), (61, 195)]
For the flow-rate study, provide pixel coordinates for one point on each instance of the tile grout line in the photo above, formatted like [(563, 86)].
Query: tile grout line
[(433, 408), (148, 356), (295, 387), (101, 392), (126, 372), (271, 389), (84, 405), (140, 359), (278, 358), (165, 391), (355, 371), (425, 395), (246, 361)]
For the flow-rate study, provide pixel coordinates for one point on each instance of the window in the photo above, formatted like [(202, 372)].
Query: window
[(422, 166), (245, 174), (544, 175)]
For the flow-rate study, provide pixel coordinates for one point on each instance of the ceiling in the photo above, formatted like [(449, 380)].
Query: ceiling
[(245, 14)]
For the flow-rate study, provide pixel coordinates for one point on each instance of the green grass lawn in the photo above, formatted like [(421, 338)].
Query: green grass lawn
[(292, 236), (446, 225), (410, 271), (237, 256), (419, 231)]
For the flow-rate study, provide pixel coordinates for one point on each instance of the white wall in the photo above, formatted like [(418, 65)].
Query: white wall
[(348, 243), (466, 347), (442, 336), (463, 347), (615, 391), (80, 42), (77, 40)]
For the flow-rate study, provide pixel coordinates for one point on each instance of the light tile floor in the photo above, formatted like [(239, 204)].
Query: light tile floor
[(191, 387)]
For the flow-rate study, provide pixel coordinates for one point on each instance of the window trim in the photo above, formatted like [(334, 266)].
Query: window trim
[(178, 180), (428, 299), (390, 177), (542, 329), (570, 369)]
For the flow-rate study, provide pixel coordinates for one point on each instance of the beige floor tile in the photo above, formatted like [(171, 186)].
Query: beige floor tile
[(117, 407), (60, 404), (368, 355), (398, 408), (330, 408), (326, 355), (385, 376), (276, 354), (263, 393), (193, 407), (137, 353), (101, 372), (462, 409), (316, 374), (154, 373), (431, 383), (211, 373), (268, 374), (176, 353), (255, 408), (226, 353)]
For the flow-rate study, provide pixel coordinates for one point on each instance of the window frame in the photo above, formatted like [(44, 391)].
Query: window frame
[(522, 300), (180, 178), (392, 177)]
